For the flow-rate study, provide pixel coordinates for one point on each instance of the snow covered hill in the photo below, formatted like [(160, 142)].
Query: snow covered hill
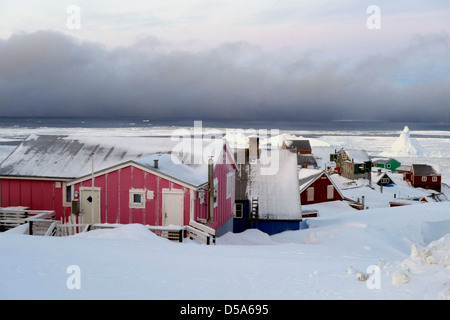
[(384, 253)]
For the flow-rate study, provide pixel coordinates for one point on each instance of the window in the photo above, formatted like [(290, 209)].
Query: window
[(434, 179), (68, 193), (424, 179), (384, 180), (230, 182), (330, 192), (239, 210), (388, 166), (310, 194), (137, 198), (216, 192), (201, 196)]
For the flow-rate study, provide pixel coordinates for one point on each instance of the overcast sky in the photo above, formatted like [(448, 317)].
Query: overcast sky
[(226, 59)]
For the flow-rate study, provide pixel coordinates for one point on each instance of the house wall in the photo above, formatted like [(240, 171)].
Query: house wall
[(417, 182), (34, 194), (320, 192), (391, 165), (115, 196), (224, 210), (115, 202), (272, 227)]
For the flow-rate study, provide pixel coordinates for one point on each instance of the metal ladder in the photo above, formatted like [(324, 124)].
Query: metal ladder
[(254, 212)]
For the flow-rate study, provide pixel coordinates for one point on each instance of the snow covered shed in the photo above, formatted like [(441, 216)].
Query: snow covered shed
[(267, 193), (316, 186), (120, 180), (382, 178)]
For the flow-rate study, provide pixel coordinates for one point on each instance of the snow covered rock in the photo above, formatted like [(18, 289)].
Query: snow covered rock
[(361, 276), (399, 278)]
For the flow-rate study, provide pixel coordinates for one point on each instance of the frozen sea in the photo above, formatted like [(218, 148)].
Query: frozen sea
[(375, 137)]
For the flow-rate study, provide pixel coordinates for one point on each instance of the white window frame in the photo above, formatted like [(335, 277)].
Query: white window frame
[(137, 205), (201, 196), (230, 182), (424, 178), (216, 192), (240, 211), (310, 194), (434, 179), (330, 191), (65, 202)]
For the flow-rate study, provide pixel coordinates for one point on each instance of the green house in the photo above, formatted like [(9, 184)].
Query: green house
[(386, 163)]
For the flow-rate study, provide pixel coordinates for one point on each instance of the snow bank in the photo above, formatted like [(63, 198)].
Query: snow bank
[(136, 232), (427, 268), (322, 262), (250, 237)]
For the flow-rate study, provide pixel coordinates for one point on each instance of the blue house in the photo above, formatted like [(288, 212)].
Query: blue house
[(267, 195)]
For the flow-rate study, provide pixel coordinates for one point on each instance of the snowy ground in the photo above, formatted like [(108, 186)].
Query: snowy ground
[(380, 253), (404, 251)]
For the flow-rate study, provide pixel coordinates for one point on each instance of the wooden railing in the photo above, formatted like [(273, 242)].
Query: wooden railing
[(43, 223), (11, 218), (174, 233)]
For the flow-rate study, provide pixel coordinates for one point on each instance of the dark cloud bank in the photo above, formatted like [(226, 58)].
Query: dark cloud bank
[(52, 74)]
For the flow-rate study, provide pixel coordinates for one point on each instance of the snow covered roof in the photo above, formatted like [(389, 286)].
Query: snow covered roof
[(404, 167), (66, 156), (358, 156), (298, 144), (195, 174), (308, 159), (378, 175), (307, 176), (277, 191), (381, 160), (425, 170)]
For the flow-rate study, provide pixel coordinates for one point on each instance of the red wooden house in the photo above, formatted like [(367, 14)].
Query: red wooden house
[(425, 176), (121, 180), (316, 186)]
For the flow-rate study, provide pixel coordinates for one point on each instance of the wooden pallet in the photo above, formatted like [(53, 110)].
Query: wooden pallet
[(11, 218)]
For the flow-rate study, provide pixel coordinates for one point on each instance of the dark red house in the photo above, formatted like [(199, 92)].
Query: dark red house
[(425, 176), (316, 186)]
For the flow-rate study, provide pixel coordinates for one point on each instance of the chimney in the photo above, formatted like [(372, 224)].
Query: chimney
[(253, 148), (155, 163)]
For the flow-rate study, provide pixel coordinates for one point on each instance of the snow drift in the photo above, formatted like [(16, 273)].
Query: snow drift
[(330, 260)]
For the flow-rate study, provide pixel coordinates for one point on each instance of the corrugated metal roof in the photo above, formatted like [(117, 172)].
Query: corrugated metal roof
[(195, 175), (63, 156), (424, 170)]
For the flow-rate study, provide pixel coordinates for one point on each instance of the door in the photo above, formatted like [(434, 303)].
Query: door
[(90, 200), (173, 207)]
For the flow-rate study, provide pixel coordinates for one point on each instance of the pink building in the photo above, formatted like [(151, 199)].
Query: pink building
[(122, 180)]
